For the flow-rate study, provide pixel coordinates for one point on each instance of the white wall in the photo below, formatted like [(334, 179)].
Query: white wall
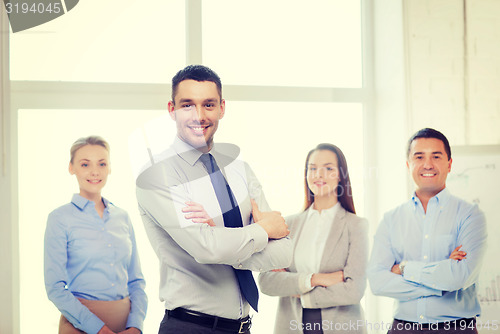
[(391, 128), (431, 70), (483, 52), (9, 278), (454, 68), (435, 53)]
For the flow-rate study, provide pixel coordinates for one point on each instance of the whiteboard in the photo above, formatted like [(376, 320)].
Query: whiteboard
[(475, 177)]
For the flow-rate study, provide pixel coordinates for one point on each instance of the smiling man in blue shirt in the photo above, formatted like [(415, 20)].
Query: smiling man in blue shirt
[(427, 252)]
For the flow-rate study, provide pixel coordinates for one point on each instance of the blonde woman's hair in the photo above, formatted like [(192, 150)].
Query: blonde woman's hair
[(84, 141)]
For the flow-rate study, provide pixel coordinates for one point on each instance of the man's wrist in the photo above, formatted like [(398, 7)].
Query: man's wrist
[(402, 266), (308, 282)]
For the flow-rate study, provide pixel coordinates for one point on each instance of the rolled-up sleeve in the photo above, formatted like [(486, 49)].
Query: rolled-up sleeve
[(56, 278), (382, 281), (451, 275), (136, 286)]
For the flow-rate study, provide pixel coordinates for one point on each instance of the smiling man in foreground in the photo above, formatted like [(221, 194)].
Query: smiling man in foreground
[(427, 252), (199, 208)]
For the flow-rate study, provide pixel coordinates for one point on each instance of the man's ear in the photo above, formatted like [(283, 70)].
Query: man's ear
[(222, 108), (171, 109), (70, 169), (407, 165), (449, 164)]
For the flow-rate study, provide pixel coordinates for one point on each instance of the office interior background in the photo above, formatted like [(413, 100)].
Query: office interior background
[(362, 74)]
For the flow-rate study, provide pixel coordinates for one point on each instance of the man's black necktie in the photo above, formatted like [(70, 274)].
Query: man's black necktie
[(232, 218)]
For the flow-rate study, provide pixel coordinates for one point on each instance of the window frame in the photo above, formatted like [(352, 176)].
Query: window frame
[(123, 96)]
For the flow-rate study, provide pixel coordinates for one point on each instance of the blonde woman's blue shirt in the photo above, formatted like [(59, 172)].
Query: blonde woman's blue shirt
[(93, 258)]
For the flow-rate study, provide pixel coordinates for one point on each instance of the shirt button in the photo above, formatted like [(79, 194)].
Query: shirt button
[(427, 236), (111, 264), (102, 229), (112, 284), (425, 257), (109, 245), (240, 266), (433, 285), (421, 317)]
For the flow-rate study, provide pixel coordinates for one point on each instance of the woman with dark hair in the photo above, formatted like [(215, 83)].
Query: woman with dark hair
[(321, 290), (92, 269)]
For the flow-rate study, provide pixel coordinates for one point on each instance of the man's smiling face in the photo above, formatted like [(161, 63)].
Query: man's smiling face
[(429, 165), (197, 109)]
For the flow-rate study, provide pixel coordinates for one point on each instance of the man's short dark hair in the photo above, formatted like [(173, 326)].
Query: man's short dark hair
[(430, 133), (198, 73)]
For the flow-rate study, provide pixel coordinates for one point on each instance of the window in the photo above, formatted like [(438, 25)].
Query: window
[(104, 71), (284, 43), (275, 138), (110, 41)]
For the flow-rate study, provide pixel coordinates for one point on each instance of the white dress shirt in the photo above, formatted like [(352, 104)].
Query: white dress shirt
[(196, 260), (311, 244)]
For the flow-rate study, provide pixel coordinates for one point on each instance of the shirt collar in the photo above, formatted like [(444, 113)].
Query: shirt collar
[(186, 151), (442, 197), (81, 202), (328, 214)]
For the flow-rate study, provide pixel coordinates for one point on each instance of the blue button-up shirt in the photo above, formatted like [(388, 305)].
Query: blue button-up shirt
[(433, 288), (93, 258)]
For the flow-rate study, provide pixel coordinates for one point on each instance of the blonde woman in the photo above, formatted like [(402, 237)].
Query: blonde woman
[(92, 269), (321, 290)]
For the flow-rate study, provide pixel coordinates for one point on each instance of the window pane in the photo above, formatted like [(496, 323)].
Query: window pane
[(275, 138), (104, 41), (284, 43)]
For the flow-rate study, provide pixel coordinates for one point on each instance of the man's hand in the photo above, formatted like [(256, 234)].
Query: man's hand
[(197, 213), (131, 330), (395, 269), (105, 330), (327, 279), (457, 254), (271, 221)]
